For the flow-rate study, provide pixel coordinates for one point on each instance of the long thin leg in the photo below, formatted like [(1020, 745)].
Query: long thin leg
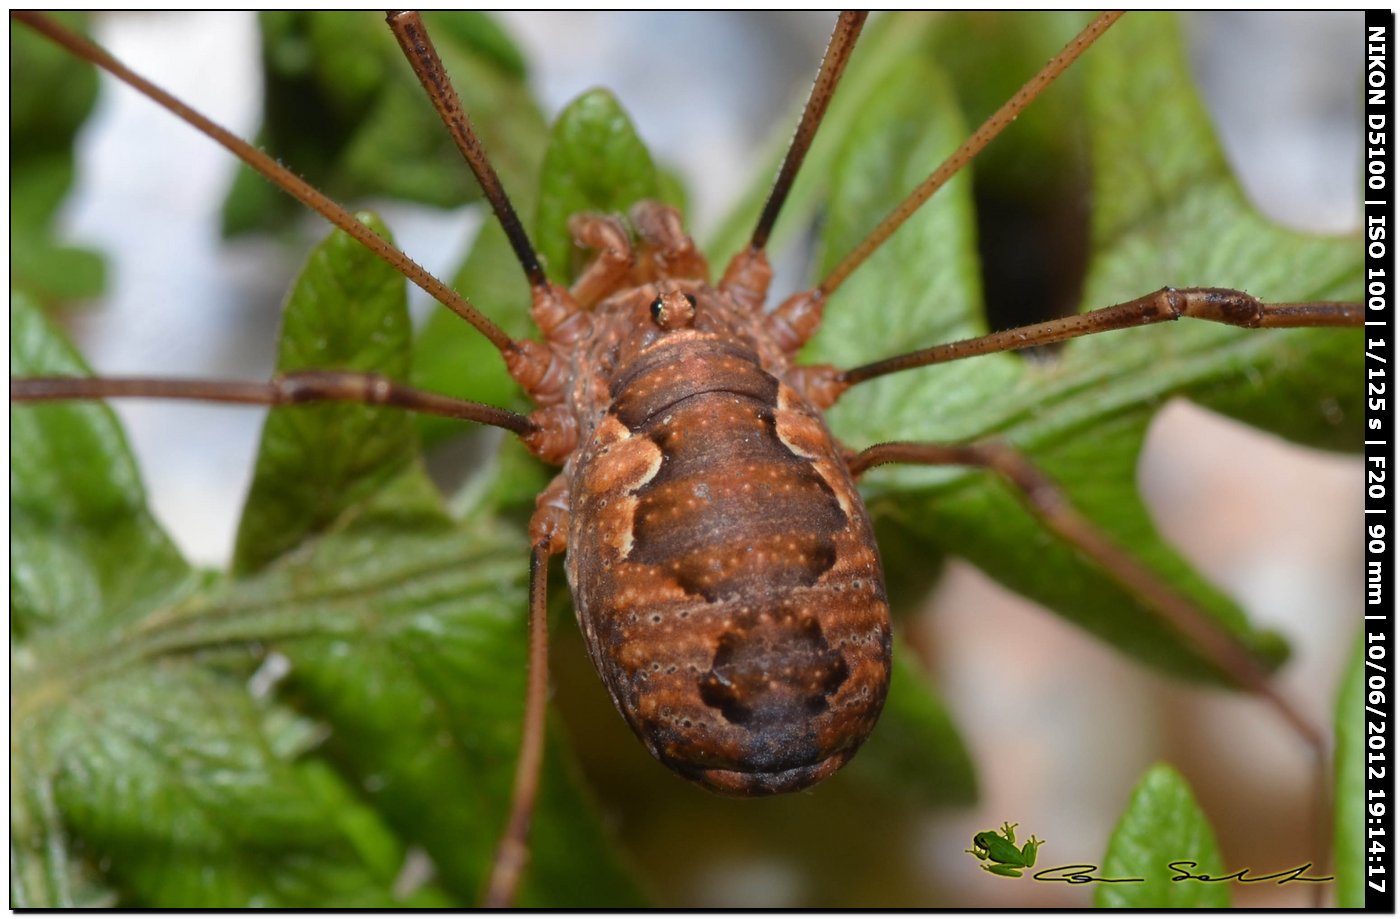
[(1047, 502), (984, 135), (747, 275), (838, 52), (408, 28), (513, 851), (796, 319), (548, 527), (278, 175), (298, 388), (1045, 499), (556, 313), (1214, 304)]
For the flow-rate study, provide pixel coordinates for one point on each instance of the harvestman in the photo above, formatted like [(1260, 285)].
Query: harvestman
[(638, 312)]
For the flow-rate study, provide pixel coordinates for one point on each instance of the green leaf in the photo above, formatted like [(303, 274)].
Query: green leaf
[(341, 105), (887, 42), (50, 99), (139, 774), (152, 772), (1162, 824), (427, 711), (406, 635), (172, 780), (84, 551), (1187, 222), (595, 162), (1348, 805), (1080, 416), (43, 871), (451, 357), (371, 133), (348, 311)]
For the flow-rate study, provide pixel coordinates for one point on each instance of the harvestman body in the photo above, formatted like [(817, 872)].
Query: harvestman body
[(722, 564), (723, 568)]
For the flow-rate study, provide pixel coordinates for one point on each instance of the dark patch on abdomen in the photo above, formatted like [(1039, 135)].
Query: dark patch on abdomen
[(772, 671), (732, 510)]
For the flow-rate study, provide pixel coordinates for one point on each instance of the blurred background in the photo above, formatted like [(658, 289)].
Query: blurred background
[(1277, 532)]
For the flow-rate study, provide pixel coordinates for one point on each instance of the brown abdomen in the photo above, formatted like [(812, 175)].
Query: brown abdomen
[(725, 576)]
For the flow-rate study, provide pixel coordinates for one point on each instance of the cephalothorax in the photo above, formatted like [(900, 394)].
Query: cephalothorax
[(723, 568)]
